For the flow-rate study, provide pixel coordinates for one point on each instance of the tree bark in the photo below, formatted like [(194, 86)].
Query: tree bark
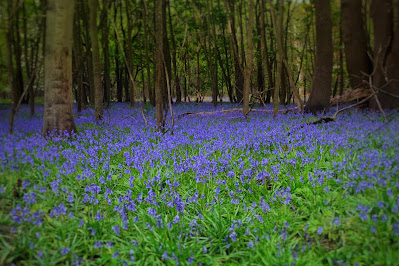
[(238, 70), (118, 70), (278, 24), (386, 54), (174, 58), (99, 93), (159, 39), (105, 44), (58, 114), (321, 86), (129, 53), (10, 66), (355, 42), (249, 55), (147, 55)]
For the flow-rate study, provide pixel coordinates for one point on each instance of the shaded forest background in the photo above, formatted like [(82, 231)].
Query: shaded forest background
[(243, 51)]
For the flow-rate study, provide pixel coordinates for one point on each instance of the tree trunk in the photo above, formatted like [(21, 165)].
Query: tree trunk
[(147, 55), (10, 66), (166, 55), (321, 86), (238, 70), (174, 58), (386, 54), (355, 42), (129, 53), (89, 54), (99, 93), (249, 55), (278, 24), (78, 63), (118, 70), (159, 5), (58, 114), (105, 41), (16, 40)]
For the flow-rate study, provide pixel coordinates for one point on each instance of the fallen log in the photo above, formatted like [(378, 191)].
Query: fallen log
[(350, 96)]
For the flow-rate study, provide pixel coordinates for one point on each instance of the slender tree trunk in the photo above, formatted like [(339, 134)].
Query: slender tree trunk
[(10, 67), (27, 62), (159, 43), (129, 52), (277, 24), (261, 57), (105, 44), (174, 58), (118, 70), (58, 114), (78, 63), (166, 54), (99, 93), (151, 93), (238, 70), (321, 86), (249, 54), (89, 55)]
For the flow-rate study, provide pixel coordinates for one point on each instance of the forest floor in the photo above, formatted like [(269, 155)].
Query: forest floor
[(215, 189)]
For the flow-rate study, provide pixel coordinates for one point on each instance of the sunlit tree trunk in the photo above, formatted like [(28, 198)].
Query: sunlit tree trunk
[(58, 114)]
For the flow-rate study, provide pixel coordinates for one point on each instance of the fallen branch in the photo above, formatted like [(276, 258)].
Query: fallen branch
[(234, 110), (334, 117)]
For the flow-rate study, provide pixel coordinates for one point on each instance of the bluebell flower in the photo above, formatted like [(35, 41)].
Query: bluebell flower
[(233, 236), (30, 198), (81, 223), (373, 229), (363, 216), (116, 229), (176, 219), (286, 225), (165, 255), (40, 254), (336, 221), (65, 251), (70, 197), (250, 244), (98, 216), (319, 230), (190, 260), (2, 190), (97, 244), (116, 254), (204, 249)]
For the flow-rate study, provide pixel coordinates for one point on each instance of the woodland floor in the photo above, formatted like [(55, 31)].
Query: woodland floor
[(215, 189)]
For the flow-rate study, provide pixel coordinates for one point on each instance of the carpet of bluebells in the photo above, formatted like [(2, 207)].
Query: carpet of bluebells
[(215, 189)]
